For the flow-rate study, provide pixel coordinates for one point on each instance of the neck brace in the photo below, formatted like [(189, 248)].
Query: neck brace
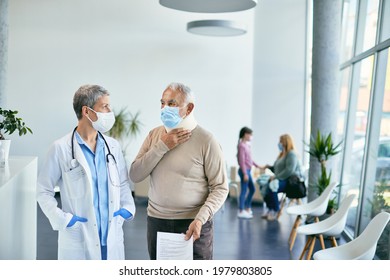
[(188, 122)]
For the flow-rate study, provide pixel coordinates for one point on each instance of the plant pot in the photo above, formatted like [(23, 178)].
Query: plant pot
[(4, 146)]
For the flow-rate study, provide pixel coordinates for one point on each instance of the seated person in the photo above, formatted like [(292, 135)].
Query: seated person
[(286, 164)]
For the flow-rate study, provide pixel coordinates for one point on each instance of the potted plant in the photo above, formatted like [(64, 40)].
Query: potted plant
[(126, 127), (9, 123), (322, 148)]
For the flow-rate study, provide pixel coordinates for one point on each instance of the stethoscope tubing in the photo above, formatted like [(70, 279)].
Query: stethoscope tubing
[(105, 142)]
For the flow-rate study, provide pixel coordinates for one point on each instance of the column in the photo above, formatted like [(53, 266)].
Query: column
[(325, 75), (3, 49)]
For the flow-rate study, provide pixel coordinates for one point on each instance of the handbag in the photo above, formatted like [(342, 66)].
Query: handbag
[(295, 187)]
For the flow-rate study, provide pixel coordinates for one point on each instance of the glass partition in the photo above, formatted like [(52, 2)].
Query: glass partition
[(385, 26), (354, 169), (380, 200), (348, 29), (367, 27)]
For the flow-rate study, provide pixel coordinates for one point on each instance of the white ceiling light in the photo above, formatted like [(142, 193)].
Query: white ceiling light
[(216, 28), (209, 6)]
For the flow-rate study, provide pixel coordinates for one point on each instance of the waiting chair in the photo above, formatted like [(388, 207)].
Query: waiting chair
[(332, 227), (362, 247), (316, 208), (232, 185)]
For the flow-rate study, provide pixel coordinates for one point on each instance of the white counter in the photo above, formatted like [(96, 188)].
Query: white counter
[(18, 209)]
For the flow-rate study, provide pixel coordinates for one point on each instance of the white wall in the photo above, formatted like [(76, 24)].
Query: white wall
[(133, 49), (279, 76)]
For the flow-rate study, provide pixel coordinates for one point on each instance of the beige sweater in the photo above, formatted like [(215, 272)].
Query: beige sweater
[(186, 182)]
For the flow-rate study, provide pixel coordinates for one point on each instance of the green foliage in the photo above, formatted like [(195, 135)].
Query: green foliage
[(323, 180), (126, 124), (378, 201), (322, 148), (380, 204), (11, 123)]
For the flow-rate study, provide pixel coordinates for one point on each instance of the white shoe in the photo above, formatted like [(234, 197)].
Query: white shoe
[(250, 211), (244, 215)]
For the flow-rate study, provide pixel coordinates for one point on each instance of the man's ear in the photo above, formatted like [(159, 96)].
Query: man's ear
[(190, 108), (84, 111)]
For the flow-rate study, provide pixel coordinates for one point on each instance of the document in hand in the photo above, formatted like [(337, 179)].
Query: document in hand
[(173, 246)]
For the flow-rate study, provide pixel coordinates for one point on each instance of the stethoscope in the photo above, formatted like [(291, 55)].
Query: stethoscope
[(110, 159)]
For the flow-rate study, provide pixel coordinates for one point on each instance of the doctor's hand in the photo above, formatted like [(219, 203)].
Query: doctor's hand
[(123, 213), (76, 219), (194, 230), (176, 137)]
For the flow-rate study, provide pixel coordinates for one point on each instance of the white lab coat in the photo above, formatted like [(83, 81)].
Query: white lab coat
[(81, 241)]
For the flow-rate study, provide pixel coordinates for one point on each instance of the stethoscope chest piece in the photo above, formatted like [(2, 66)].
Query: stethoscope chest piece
[(73, 163)]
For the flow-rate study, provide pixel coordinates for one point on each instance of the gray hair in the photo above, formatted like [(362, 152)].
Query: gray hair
[(87, 95), (184, 90)]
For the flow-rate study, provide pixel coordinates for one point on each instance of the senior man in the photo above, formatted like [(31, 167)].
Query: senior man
[(188, 182)]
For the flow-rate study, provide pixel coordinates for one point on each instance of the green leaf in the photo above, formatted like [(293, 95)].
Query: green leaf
[(10, 123)]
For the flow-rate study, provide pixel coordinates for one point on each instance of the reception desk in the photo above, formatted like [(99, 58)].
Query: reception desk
[(18, 209)]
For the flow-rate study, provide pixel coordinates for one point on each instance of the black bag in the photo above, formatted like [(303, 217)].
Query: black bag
[(295, 187)]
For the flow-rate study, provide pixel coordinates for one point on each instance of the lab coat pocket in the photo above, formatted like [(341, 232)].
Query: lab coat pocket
[(74, 234), (75, 182), (117, 229)]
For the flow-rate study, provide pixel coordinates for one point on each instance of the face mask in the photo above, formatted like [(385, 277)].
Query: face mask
[(104, 121), (280, 146), (170, 116)]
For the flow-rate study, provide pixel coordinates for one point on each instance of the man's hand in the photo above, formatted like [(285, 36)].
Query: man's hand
[(176, 137), (194, 230)]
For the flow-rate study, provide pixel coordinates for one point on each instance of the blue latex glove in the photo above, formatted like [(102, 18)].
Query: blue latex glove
[(76, 219), (124, 213)]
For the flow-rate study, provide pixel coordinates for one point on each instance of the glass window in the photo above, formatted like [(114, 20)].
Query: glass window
[(381, 196), (348, 29), (385, 26), (342, 119), (368, 22), (352, 176)]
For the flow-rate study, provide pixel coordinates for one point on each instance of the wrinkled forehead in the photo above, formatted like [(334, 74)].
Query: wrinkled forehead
[(170, 95)]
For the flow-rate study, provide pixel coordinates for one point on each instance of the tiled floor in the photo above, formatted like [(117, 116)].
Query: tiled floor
[(234, 238)]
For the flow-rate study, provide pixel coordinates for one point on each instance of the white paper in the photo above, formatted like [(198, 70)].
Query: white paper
[(173, 246)]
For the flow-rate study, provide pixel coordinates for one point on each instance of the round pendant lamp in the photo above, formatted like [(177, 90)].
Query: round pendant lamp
[(209, 6), (221, 28)]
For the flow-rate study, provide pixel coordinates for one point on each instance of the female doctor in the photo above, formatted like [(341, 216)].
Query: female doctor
[(90, 171)]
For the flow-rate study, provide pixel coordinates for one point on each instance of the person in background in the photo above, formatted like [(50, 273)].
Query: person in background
[(89, 169), (188, 181), (286, 164), (245, 162)]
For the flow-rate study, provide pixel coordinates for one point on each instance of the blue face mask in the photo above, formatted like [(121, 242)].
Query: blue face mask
[(170, 116), (280, 146)]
